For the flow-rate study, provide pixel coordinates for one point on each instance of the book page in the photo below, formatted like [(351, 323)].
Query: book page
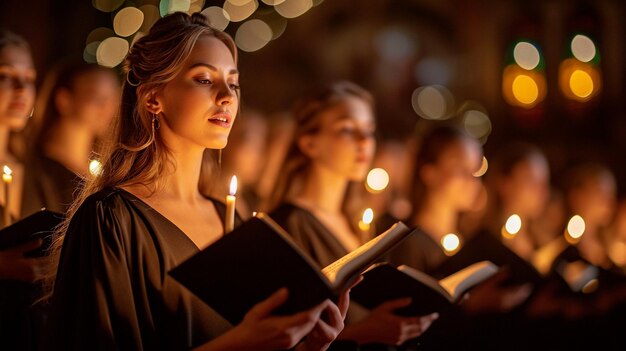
[(341, 271), (458, 283)]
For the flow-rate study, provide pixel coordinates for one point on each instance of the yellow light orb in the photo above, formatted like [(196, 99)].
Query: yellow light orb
[(581, 83), (525, 89), (293, 8), (377, 180)]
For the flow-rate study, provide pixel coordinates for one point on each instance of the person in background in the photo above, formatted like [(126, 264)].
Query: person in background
[(331, 152), (75, 106), (19, 321)]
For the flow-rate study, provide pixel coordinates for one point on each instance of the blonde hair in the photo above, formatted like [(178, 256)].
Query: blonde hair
[(307, 113), (135, 153)]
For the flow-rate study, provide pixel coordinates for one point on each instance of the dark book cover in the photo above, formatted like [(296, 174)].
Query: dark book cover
[(383, 282), (39, 225), (247, 265)]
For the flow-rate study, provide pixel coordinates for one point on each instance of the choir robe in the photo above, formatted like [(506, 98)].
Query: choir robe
[(314, 238), (113, 291), (47, 183)]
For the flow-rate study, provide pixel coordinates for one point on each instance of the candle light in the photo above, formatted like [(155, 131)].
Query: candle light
[(575, 229), (451, 243), (366, 221), (229, 222), (512, 226), (7, 178)]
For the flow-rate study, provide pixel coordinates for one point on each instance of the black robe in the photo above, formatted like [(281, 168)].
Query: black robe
[(322, 245), (47, 183), (113, 290)]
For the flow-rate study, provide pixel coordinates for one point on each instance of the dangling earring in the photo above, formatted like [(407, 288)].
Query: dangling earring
[(155, 125), (219, 158)]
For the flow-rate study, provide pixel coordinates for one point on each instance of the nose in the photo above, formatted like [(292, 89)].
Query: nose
[(225, 95)]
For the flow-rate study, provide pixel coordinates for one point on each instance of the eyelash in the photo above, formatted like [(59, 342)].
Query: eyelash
[(207, 82)]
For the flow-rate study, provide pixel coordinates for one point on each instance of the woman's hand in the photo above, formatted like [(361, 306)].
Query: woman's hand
[(15, 266), (490, 296), (383, 326)]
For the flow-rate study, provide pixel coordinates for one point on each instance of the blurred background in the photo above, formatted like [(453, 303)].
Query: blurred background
[(551, 72)]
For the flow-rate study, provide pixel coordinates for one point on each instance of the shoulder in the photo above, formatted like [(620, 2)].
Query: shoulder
[(108, 205)]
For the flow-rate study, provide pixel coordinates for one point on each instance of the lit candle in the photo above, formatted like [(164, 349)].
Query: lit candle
[(366, 221), (451, 243), (229, 223), (512, 226), (575, 229), (7, 178)]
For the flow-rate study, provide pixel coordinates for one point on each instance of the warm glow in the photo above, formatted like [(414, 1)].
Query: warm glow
[(512, 226), (150, 15), (450, 243), (617, 252), (484, 166), (7, 176), (526, 55), (525, 89), (218, 18), (377, 180), (273, 2), (171, 6), (111, 51), (95, 168), (127, 21), (579, 81), (233, 185), (368, 216), (581, 84), (583, 48), (238, 13), (293, 8), (575, 227), (253, 35)]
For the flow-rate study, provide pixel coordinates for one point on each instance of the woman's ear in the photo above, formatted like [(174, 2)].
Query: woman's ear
[(307, 145), (154, 104), (63, 101)]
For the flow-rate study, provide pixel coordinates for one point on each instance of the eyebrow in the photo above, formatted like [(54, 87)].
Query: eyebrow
[(211, 67)]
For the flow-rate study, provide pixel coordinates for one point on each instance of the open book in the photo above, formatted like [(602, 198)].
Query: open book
[(39, 225), (247, 265), (384, 282)]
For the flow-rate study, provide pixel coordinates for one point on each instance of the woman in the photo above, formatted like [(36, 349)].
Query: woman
[(144, 214), (18, 320), (444, 186), (333, 146), (75, 106)]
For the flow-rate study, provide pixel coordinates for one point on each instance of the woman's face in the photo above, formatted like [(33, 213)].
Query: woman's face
[(525, 191), (93, 100), (198, 107), (17, 86), (451, 179), (345, 142)]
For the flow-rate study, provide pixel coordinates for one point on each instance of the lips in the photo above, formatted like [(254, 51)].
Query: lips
[(222, 119)]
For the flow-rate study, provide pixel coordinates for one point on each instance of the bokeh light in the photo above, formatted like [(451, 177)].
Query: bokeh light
[(525, 89), (394, 44), (575, 228), (583, 48), (273, 2), (95, 168), (111, 51), (253, 35), (433, 102), (217, 16), (170, 6), (526, 55), (196, 6), (377, 180), (433, 71), (238, 13), (581, 84), (579, 81), (293, 8), (450, 243), (127, 21), (368, 216), (512, 226), (99, 34), (484, 166), (107, 5), (476, 123)]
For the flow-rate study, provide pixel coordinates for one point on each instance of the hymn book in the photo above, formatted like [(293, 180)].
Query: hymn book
[(247, 265), (39, 225), (384, 282)]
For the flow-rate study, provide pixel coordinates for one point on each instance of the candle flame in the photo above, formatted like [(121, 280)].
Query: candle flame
[(377, 180), (450, 243), (233, 185), (576, 227), (368, 216), (513, 226), (7, 170)]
